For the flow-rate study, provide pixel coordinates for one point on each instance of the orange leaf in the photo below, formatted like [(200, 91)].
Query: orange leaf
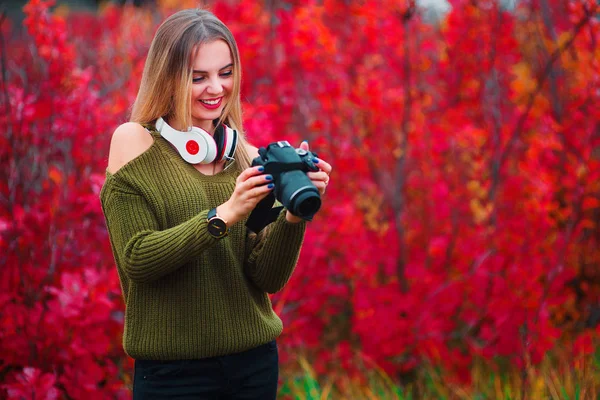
[(55, 175)]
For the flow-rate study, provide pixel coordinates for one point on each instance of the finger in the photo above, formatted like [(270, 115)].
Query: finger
[(250, 172), (258, 180), (260, 191), (320, 185), (318, 176), (324, 165), (304, 145)]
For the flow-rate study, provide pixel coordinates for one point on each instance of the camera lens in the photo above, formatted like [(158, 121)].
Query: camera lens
[(298, 194), (305, 203)]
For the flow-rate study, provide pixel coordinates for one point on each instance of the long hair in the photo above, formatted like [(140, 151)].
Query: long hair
[(166, 86)]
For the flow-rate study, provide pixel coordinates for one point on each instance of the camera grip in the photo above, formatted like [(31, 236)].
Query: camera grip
[(263, 214)]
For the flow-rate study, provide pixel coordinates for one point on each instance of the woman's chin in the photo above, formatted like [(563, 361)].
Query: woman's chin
[(202, 113), (205, 119)]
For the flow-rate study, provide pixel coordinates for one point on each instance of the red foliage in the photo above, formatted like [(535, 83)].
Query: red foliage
[(462, 219)]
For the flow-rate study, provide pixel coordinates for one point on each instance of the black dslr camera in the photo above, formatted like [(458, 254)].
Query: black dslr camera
[(293, 188)]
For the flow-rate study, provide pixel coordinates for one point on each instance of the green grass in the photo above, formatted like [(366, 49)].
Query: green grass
[(558, 377)]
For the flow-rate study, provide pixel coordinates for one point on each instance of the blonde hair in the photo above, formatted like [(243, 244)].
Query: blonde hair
[(168, 69)]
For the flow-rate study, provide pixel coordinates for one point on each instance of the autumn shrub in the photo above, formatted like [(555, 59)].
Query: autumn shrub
[(462, 219)]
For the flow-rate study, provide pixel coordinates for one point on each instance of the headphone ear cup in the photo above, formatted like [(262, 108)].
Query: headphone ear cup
[(211, 147), (193, 148), (220, 141), (226, 140)]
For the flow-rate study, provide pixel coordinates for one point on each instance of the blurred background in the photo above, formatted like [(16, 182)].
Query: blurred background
[(457, 255)]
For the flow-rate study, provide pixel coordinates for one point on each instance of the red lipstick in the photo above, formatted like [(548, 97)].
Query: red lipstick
[(212, 106)]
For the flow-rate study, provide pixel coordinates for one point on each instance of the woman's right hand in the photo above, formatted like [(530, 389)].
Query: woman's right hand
[(251, 186)]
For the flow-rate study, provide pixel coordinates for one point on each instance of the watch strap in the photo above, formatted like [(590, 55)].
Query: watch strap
[(211, 213)]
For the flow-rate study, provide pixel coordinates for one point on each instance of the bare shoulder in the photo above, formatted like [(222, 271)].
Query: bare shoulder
[(128, 141)]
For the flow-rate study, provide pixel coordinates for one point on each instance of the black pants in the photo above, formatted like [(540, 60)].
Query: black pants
[(249, 375)]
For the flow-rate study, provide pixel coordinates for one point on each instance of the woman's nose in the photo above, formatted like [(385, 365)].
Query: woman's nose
[(214, 86)]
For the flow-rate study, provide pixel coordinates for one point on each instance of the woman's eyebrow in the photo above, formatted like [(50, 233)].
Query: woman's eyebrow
[(221, 69)]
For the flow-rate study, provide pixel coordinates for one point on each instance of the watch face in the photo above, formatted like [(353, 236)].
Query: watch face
[(217, 227)]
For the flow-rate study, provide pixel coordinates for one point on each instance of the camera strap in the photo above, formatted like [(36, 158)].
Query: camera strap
[(263, 214)]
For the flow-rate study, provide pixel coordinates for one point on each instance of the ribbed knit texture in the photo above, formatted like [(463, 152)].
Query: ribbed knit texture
[(187, 294)]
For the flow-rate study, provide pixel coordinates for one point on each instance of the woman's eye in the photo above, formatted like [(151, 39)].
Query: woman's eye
[(198, 79)]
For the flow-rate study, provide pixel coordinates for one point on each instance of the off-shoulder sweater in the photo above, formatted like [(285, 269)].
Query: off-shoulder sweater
[(188, 295)]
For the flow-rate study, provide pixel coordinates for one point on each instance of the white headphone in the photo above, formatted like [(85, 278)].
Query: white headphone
[(198, 146)]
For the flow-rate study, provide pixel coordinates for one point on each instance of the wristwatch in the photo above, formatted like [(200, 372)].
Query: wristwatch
[(217, 226)]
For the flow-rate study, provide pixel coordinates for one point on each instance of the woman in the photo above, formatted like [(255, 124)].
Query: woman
[(198, 321)]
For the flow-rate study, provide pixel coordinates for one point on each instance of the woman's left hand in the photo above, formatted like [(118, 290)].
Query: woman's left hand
[(319, 178)]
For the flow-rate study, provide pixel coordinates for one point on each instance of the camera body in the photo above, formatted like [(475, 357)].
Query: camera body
[(293, 188)]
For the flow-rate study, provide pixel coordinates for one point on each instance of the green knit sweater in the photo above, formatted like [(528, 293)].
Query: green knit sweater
[(188, 295)]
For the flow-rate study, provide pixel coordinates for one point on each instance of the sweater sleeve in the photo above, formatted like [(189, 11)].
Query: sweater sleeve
[(142, 251), (272, 261)]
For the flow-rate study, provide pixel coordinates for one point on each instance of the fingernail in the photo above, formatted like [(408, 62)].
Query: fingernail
[(269, 177), (315, 160), (270, 186), (261, 169)]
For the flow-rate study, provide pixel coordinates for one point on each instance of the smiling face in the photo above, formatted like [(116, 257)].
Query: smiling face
[(212, 83)]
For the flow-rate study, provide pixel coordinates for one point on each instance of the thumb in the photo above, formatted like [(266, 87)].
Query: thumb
[(304, 145)]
